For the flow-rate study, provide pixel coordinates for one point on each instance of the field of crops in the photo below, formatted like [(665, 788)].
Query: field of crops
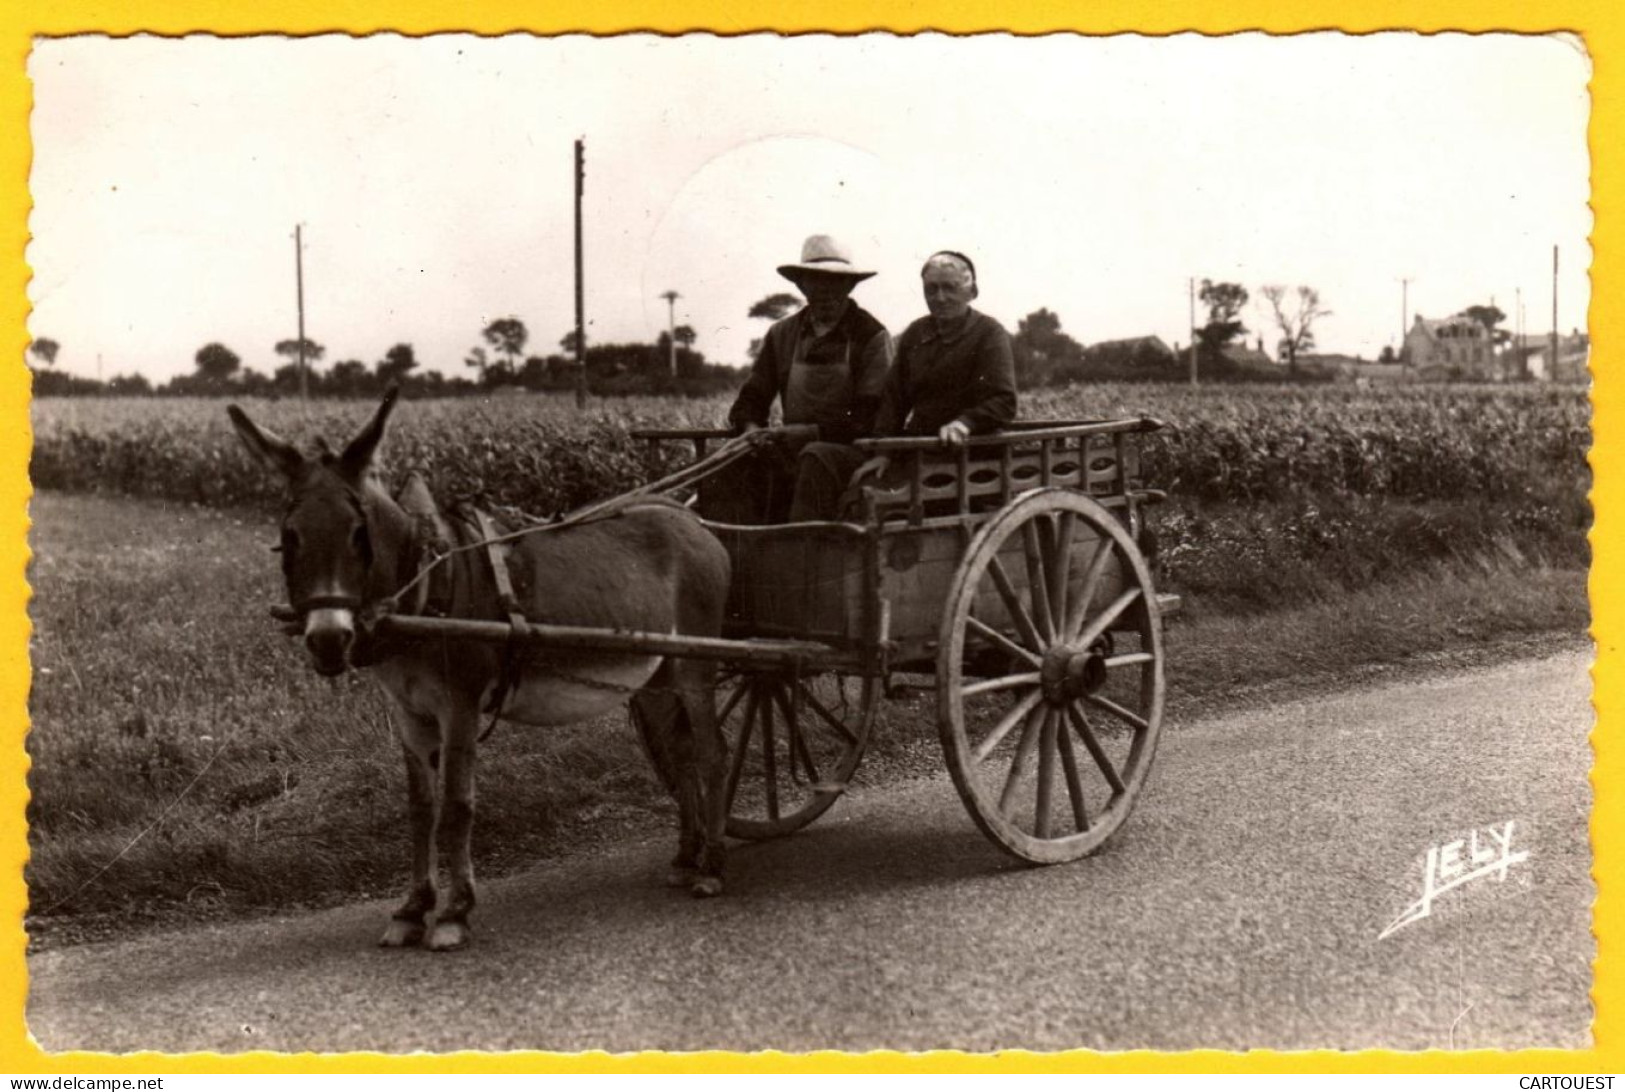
[(539, 453)]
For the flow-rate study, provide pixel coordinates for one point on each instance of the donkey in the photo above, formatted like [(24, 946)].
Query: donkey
[(648, 565)]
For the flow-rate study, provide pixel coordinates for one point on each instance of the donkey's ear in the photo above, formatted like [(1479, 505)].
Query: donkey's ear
[(266, 446), (358, 453)]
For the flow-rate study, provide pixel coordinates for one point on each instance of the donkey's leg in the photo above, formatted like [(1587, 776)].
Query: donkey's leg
[(419, 743), (661, 722), (461, 729), (685, 866), (695, 680)]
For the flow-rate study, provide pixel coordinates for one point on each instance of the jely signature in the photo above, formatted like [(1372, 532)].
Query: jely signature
[(1447, 868)]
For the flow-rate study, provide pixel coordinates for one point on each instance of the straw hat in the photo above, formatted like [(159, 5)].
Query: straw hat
[(822, 254)]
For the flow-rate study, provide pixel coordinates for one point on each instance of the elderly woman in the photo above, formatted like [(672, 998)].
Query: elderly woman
[(953, 375)]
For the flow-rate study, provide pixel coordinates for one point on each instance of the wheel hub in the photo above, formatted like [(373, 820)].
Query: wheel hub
[(1068, 673)]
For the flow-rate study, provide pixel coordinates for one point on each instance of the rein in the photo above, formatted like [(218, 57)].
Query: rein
[(728, 453)]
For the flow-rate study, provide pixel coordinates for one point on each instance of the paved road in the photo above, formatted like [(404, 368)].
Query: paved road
[(1240, 907)]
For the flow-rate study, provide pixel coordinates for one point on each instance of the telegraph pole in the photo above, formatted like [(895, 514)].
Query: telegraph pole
[(671, 296), (1404, 307), (1517, 332), (1404, 318), (1193, 330), (581, 330), (299, 284), (1552, 371)]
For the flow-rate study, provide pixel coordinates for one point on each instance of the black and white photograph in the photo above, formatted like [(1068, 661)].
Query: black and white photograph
[(810, 543)]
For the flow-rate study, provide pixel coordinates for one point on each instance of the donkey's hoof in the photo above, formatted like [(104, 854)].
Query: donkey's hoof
[(448, 936), (402, 934), (706, 887)]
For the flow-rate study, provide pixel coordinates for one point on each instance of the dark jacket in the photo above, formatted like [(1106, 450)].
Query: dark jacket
[(966, 372), (833, 381)]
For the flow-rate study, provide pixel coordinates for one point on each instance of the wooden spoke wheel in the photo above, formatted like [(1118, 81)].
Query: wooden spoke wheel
[(793, 744), (1050, 676)]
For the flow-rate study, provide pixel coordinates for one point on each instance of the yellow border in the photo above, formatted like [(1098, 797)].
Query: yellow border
[(1607, 138)]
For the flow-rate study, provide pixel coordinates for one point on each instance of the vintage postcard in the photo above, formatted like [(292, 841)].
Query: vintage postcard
[(1061, 542)]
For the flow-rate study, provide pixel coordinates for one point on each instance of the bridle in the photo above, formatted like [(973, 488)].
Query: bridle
[(354, 602), (328, 602)]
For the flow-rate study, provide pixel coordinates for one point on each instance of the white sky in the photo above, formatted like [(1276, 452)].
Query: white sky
[(1089, 176)]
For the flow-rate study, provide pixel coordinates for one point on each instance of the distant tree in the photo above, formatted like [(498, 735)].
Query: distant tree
[(1224, 303), (216, 363), (774, 307), (685, 336), (349, 377), (533, 374), (507, 336), (290, 349), (568, 343), (1490, 317), (1387, 356), (44, 350), (50, 383), (396, 363), (136, 384), (285, 380), (250, 383), (1297, 327), (1042, 348), (307, 382), (500, 372)]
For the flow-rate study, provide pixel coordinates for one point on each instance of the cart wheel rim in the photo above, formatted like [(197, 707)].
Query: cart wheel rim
[(1050, 752), (794, 743)]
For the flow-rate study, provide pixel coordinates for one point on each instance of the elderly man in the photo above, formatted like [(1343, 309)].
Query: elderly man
[(826, 365), (953, 376)]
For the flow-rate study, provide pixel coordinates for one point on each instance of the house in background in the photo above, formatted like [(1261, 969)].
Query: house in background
[(1458, 347), (1573, 357), (1249, 358)]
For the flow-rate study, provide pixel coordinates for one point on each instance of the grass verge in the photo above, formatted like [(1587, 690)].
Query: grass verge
[(188, 765)]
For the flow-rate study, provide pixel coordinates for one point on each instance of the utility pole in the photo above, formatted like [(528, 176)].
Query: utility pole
[(299, 284), (1193, 330), (1552, 371), (671, 296), (1495, 363), (1404, 320), (1404, 307), (1517, 333), (581, 329)]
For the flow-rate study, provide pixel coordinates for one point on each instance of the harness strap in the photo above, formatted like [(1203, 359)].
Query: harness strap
[(518, 624)]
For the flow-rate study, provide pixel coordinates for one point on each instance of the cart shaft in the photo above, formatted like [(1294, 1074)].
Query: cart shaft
[(537, 635)]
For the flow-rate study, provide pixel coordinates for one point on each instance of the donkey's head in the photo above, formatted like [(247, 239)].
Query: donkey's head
[(326, 546)]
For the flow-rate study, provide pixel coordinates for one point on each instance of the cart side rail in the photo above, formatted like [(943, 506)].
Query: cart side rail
[(1017, 433), (1099, 458)]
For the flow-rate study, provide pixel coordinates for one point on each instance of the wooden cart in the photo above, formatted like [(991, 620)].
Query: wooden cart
[(1007, 576)]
